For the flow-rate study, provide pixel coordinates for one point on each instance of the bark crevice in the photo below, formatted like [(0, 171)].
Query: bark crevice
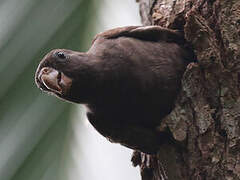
[(206, 119)]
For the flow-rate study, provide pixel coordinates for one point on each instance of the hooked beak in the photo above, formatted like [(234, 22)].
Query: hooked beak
[(54, 81)]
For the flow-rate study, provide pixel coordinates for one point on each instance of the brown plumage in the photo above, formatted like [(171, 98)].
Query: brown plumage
[(129, 79)]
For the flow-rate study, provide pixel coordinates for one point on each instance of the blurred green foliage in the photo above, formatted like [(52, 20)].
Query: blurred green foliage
[(33, 125)]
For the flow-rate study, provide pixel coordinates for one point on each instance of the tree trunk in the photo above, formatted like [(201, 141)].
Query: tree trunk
[(206, 118)]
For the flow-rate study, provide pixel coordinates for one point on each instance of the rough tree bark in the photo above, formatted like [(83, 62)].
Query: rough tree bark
[(206, 118)]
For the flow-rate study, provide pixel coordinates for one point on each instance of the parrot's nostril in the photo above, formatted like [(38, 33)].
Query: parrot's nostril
[(45, 70)]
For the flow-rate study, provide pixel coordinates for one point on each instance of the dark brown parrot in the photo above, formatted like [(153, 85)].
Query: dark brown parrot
[(128, 79)]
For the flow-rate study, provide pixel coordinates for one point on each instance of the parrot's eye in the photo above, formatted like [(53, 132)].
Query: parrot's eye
[(61, 55)]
